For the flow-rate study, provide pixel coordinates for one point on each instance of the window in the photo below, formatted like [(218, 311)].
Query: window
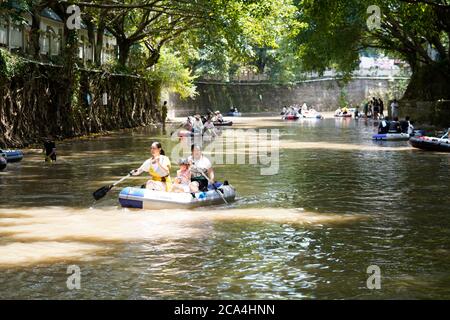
[(16, 36), (81, 47), (55, 41), (3, 33)]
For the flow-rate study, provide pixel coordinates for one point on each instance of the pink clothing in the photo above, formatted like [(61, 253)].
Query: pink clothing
[(184, 176)]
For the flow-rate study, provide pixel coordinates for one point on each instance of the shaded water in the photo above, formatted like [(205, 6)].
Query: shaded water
[(339, 204)]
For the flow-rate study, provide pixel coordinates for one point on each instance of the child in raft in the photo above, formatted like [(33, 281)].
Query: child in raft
[(183, 182)]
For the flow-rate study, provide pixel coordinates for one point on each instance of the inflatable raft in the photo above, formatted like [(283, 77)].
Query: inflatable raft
[(430, 144), (312, 115), (291, 118), (3, 163), (12, 155), (348, 115), (148, 199), (234, 114), (223, 123), (391, 137)]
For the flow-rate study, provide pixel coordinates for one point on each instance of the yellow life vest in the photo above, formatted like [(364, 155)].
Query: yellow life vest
[(157, 175)]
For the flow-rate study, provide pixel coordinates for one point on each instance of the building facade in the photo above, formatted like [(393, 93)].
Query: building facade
[(15, 36)]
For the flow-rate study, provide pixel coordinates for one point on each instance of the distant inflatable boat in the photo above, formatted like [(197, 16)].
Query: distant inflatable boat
[(148, 199), (291, 117), (312, 116), (223, 123), (234, 114), (12, 155), (430, 144), (391, 137), (348, 115)]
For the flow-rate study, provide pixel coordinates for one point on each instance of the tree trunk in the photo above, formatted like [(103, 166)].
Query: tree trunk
[(35, 47), (63, 106), (153, 58), (99, 43), (448, 49), (91, 36), (261, 60), (429, 83), (124, 51)]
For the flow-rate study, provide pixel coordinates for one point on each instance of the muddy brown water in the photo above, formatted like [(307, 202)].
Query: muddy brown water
[(339, 204)]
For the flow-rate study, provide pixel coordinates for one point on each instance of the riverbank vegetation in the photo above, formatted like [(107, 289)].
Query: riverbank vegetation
[(277, 39), (73, 83), (169, 44), (416, 31)]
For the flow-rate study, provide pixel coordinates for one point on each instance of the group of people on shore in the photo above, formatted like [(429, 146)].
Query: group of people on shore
[(195, 173), (375, 109)]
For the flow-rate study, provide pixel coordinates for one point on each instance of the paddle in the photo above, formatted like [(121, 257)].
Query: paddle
[(444, 136), (103, 191), (214, 186), (179, 127)]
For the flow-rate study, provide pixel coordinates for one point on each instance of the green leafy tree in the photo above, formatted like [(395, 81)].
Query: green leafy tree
[(335, 33)]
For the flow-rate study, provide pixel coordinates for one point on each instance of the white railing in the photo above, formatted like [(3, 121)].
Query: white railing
[(395, 72)]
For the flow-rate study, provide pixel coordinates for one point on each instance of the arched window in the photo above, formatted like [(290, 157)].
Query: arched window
[(51, 40), (44, 41)]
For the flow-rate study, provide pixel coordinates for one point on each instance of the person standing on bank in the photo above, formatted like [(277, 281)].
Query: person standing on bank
[(366, 109), (394, 109), (164, 114), (200, 167), (381, 104), (50, 149), (158, 166)]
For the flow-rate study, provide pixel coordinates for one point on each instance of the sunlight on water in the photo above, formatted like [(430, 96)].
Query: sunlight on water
[(339, 147), (30, 253), (48, 234)]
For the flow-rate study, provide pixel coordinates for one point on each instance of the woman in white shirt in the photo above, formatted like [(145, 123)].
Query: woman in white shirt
[(200, 166)]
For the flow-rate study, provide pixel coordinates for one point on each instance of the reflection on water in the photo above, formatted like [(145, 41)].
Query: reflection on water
[(339, 204)]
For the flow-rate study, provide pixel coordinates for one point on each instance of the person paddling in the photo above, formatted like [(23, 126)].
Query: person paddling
[(200, 166), (218, 117), (197, 125), (210, 129), (383, 128), (394, 126), (405, 125), (158, 166)]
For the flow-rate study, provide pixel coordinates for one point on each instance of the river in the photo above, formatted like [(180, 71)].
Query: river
[(338, 204)]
